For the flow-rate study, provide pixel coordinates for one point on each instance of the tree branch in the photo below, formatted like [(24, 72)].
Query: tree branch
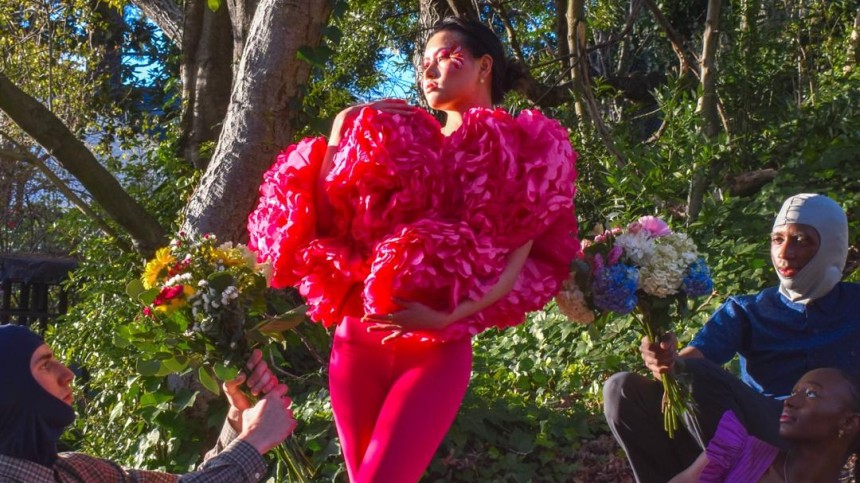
[(76, 200), (167, 14), (49, 131)]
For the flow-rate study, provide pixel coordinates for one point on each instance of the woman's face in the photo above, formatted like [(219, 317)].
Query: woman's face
[(818, 408), (452, 77)]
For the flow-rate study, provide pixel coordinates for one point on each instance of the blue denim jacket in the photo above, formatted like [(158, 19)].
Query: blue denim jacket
[(779, 340)]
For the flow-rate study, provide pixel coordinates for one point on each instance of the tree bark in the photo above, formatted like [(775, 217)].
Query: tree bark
[(707, 105), (561, 34), (854, 42), (49, 131), (207, 76), (463, 8), (576, 46), (259, 121), (166, 14)]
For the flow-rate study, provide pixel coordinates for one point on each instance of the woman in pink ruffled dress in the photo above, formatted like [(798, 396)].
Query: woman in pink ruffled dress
[(820, 422), (412, 237)]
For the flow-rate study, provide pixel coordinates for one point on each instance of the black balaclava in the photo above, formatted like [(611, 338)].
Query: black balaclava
[(31, 418)]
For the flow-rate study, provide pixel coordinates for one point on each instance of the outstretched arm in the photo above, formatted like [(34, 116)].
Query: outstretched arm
[(416, 316)]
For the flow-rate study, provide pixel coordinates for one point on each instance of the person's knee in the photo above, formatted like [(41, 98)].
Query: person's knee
[(613, 393)]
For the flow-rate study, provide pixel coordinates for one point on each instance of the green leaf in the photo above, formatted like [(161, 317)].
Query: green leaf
[(275, 326), (134, 288), (116, 411), (226, 373), (307, 54), (208, 381), (333, 33), (155, 399), (213, 5), (148, 296), (185, 399), (220, 280), (175, 364), (148, 368)]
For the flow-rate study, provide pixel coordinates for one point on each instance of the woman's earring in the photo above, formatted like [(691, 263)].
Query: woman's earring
[(841, 433), (482, 80)]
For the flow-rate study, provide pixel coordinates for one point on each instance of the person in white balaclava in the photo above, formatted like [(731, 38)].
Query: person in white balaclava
[(810, 320)]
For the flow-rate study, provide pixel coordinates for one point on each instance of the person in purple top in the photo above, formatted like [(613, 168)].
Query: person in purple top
[(810, 320), (820, 421)]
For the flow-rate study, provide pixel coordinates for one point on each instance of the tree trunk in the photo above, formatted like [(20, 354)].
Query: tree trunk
[(576, 46), (259, 120), (854, 42), (241, 14), (207, 75), (707, 105), (49, 131), (561, 35)]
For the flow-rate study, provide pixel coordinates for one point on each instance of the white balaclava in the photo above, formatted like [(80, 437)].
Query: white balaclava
[(824, 270)]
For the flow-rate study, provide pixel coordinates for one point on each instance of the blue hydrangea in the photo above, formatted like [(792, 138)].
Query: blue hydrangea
[(614, 288), (697, 281)]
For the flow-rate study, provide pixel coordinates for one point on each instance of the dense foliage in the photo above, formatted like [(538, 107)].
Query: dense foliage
[(789, 91)]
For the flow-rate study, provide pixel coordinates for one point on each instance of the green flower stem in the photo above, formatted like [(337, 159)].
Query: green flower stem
[(676, 398)]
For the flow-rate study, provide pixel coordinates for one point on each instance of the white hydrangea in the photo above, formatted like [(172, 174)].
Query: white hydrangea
[(662, 273), (638, 246)]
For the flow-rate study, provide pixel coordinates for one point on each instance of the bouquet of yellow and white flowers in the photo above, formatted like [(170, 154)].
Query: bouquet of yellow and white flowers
[(211, 299)]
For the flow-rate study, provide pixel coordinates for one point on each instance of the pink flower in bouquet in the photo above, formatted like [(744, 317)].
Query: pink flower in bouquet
[(614, 255), (654, 226)]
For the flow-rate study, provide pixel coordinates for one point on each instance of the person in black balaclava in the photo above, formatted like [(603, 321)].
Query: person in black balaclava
[(31, 418), (810, 320), (36, 407)]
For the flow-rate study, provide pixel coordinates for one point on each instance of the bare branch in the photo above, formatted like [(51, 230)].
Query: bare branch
[(63, 188), (166, 14), (49, 131)]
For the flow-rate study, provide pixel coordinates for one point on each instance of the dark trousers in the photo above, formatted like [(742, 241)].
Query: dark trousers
[(632, 405)]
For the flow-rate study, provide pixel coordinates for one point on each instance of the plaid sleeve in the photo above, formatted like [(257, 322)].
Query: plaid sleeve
[(228, 434), (239, 462)]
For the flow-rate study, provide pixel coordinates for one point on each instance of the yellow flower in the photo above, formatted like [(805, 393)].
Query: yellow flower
[(163, 259), (230, 256)]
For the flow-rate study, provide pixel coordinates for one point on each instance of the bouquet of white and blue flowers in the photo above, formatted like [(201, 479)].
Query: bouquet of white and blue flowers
[(645, 269)]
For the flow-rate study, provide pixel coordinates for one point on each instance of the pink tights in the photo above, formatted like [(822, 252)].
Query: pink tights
[(393, 403)]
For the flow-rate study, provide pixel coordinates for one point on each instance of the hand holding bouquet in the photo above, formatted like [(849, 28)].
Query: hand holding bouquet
[(645, 269), (210, 300)]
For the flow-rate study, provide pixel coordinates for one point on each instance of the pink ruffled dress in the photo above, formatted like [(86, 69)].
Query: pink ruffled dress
[(734, 456), (423, 217)]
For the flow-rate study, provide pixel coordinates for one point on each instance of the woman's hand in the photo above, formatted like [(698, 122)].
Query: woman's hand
[(413, 316), (345, 117)]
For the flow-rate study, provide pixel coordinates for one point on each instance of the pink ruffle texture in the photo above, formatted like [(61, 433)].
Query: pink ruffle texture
[(425, 218), (284, 220)]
